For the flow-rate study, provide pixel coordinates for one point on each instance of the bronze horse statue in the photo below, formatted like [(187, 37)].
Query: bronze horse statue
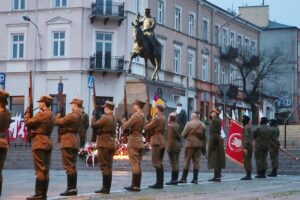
[(144, 48)]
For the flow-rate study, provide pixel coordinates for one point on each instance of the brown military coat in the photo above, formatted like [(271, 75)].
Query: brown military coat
[(263, 136), (5, 119), (135, 126), (41, 126), (194, 134), (216, 153), (106, 129), (157, 127), (173, 137), (247, 138), (70, 124)]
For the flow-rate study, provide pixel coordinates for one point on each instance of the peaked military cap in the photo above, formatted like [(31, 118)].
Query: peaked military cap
[(140, 103), (109, 104), (160, 107), (46, 99), (78, 102)]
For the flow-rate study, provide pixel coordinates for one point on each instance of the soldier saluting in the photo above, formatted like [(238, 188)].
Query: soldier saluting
[(105, 128), (70, 144), (41, 126), (156, 130), (195, 143), (135, 143), (5, 119)]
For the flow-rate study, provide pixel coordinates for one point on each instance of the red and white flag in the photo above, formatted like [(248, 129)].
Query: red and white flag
[(234, 148)]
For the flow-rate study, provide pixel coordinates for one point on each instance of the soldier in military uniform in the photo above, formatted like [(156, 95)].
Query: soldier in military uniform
[(105, 129), (274, 148), (41, 126), (135, 145), (156, 130), (5, 119), (195, 143), (173, 147), (83, 127), (216, 153), (262, 138), (148, 23), (247, 142), (70, 144)]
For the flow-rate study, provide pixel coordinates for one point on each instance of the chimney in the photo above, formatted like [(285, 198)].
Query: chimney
[(258, 15)]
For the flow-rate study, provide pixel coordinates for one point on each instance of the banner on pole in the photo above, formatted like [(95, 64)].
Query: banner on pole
[(234, 148)]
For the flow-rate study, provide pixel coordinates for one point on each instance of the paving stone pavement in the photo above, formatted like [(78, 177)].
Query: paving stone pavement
[(18, 184)]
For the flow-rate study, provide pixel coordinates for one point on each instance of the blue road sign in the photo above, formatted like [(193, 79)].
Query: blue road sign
[(91, 82), (2, 80)]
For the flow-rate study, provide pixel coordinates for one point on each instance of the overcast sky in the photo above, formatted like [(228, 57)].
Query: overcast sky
[(282, 11)]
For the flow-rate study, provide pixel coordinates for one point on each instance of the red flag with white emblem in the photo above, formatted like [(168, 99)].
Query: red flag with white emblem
[(234, 148)]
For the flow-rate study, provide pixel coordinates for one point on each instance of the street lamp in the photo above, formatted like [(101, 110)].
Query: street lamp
[(26, 18)]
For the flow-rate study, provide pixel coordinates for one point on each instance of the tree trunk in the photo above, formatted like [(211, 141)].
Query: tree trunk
[(254, 111)]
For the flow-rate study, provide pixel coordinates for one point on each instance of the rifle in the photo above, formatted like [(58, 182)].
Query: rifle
[(95, 112), (30, 105), (123, 138), (148, 135), (61, 108), (284, 151)]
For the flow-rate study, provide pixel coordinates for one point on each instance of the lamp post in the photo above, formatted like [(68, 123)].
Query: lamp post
[(37, 35)]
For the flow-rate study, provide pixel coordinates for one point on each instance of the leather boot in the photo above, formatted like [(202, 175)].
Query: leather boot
[(159, 179), (261, 174), (174, 179), (184, 176), (217, 176), (39, 191), (105, 185), (247, 177), (273, 173), (136, 183), (195, 176), (72, 184)]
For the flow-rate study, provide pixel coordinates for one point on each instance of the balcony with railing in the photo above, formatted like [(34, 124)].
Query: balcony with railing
[(105, 64), (107, 10)]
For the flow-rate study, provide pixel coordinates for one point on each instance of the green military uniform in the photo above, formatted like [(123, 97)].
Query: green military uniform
[(135, 145), (173, 149), (105, 129), (274, 151), (5, 119), (195, 141), (69, 145), (83, 128), (41, 126), (216, 153), (157, 127), (262, 138), (247, 142)]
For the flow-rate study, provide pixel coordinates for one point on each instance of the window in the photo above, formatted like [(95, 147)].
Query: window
[(205, 30), (58, 48), (253, 47), (204, 69), (231, 74), (239, 42), (247, 45), (177, 24), (192, 24), (18, 4), (103, 50), (17, 46), (59, 3), (177, 60), (191, 63), (223, 75), (161, 12), (224, 39), (216, 72), (232, 39), (137, 5), (17, 105), (216, 33), (163, 53)]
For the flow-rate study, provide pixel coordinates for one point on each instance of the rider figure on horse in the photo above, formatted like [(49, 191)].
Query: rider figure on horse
[(148, 23)]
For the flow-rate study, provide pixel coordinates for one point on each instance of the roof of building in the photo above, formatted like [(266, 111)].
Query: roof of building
[(276, 25)]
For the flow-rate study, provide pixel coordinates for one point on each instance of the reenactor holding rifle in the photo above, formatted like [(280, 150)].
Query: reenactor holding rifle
[(156, 129), (5, 119), (41, 126), (195, 143), (247, 142), (69, 144), (274, 148), (173, 147), (105, 129), (135, 144)]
